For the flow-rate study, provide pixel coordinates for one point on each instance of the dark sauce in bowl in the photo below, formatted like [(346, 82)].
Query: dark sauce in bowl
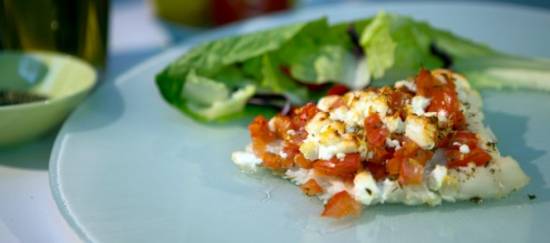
[(10, 97)]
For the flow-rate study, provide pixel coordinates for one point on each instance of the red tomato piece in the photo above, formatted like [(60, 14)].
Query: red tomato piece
[(275, 162), (311, 188), (337, 89), (464, 137), (261, 135), (300, 116), (411, 172), (282, 124), (425, 82), (302, 162), (397, 100), (345, 168), (443, 97), (259, 129), (476, 155), (408, 163), (378, 171), (375, 131), (393, 166), (341, 205)]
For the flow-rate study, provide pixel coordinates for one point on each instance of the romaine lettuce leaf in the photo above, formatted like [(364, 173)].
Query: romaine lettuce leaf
[(222, 108), (378, 45), (414, 42), (278, 82), (203, 91), (234, 62)]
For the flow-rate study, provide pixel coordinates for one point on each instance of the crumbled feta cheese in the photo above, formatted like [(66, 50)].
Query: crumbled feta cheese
[(464, 149), (325, 103), (421, 131), (363, 149), (419, 105), (393, 143), (310, 150), (390, 190), (344, 147), (271, 125), (411, 86), (365, 189), (358, 106), (332, 187), (326, 138), (317, 123), (394, 124), (275, 147), (247, 161), (441, 79), (370, 155), (442, 116), (436, 177), (299, 175)]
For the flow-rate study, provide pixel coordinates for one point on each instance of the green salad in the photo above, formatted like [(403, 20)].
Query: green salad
[(298, 63)]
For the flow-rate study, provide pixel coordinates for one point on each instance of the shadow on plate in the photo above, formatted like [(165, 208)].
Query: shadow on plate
[(105, 106)]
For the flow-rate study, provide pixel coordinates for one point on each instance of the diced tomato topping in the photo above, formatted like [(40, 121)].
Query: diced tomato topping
[(345, 168), (282, 124), (275, 162), (311, 188), (259, 129), (411, 172), (338, 103), (298, 119), (380, 155), (476, 155), (302, 115), (397, 101), (405, 164), (446, 99), (302, 162), (376, 135), (393, 166), (443, 96), (378, 171), (455, 158), (341, 205), (375, 131), (425, 82), (261, 135), (291, 149), (408, 163), (464, 137), (298, 136), (337, 89)]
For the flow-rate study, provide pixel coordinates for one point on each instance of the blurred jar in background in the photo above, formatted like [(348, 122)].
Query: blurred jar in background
[(76, 27), (215, 12), (226, 11)]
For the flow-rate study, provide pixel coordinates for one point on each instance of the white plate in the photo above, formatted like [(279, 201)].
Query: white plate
[(127, 167)]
